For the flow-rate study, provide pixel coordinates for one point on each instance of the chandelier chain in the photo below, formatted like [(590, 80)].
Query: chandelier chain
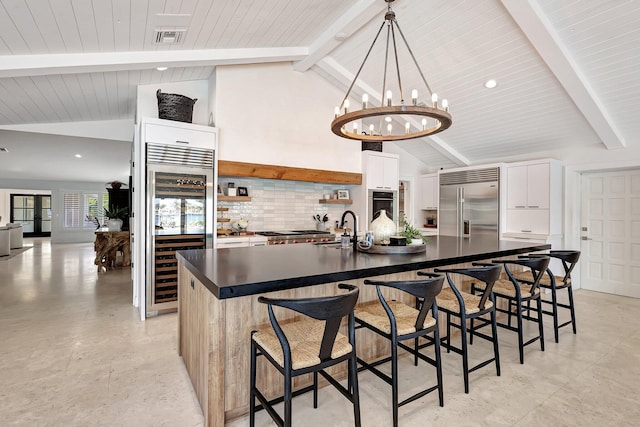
[(413, 57)]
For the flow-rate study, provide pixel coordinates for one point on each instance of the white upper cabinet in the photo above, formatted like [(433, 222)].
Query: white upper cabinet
[(429, 191), (381, 170), (528, 186), (534, 197), (169, 132)]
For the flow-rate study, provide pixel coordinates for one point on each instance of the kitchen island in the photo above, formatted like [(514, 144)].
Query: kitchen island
[(218, 305)]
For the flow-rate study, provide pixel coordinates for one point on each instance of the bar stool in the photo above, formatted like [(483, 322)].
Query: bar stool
[(399, 322), (517, 292), (304, 346), (468, 306), (554, 283)]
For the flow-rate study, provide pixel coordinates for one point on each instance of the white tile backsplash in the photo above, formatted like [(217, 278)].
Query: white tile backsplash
[(281, 205)]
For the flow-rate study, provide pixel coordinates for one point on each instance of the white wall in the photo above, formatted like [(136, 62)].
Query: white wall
[(270, 114), (57, 188)]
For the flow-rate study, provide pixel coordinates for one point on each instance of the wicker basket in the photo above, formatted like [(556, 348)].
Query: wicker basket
[(175, 107)]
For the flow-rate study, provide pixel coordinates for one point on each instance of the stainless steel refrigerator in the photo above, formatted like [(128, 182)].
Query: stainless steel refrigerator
[(469, 203)]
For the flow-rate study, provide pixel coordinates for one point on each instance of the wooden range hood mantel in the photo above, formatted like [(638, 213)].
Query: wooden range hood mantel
[(256, 170)]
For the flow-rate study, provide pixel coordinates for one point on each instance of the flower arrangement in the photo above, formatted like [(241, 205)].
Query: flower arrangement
[(240, 225)]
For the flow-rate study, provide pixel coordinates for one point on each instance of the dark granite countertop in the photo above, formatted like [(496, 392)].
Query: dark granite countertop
[(236, 272)]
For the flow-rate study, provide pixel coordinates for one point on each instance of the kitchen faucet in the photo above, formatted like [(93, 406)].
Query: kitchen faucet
[(355, 228)]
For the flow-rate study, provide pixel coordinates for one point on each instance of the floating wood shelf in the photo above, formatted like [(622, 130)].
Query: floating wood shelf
[(256, 170), (336, 201), (224, 219), (223, 209), (234, 198)]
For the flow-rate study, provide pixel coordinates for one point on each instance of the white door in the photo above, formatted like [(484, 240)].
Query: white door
[(610, 232)]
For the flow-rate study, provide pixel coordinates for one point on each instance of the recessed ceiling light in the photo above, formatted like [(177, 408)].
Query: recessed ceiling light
[(490, 84), (78, 155), (162, 68), (388, 119)]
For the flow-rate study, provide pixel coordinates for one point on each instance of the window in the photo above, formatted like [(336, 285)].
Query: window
[(84, 210), (71, 210)]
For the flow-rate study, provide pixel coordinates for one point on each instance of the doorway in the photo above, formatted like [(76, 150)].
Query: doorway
[(610, 232), (33, 212)]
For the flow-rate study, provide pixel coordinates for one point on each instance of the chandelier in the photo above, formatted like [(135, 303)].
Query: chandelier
[(419, 119)]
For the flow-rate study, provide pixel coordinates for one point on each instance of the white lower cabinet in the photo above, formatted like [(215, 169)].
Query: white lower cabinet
[(240, 241), (531, 221)]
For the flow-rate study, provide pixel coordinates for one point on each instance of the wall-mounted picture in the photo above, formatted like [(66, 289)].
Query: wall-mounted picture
[(343, 194), (242, 191)]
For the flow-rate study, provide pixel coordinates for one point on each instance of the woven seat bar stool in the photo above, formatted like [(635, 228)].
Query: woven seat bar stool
[(306, 346), (467, 306), (399, 322), (555, 283), (517, 293)]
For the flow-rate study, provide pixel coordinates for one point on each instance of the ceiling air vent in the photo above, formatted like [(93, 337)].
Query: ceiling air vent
[(173, 36)]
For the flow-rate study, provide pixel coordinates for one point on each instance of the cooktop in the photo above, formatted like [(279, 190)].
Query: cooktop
[(290, 232)]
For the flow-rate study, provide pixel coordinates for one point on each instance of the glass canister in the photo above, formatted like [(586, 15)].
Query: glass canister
[(382, 228)]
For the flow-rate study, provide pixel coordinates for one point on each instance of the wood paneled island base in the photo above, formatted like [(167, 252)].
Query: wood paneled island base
[(218, 305)]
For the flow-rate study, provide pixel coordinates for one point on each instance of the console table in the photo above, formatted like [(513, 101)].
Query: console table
[(107, 244)]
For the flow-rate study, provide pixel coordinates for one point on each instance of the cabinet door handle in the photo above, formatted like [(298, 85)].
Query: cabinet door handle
[(525, 231), (534, 207), (182, 142), (520, 206)]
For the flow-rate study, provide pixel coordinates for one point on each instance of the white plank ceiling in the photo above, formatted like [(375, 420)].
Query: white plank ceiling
[(567, 70)]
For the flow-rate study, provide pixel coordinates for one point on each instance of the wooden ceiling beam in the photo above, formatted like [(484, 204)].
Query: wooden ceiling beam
[(538, 29)]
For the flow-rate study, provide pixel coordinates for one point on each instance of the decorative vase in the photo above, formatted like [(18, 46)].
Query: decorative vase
[(382, 228), (114, 224)]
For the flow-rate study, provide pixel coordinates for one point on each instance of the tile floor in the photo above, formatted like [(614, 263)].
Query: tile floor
[(72, 353)]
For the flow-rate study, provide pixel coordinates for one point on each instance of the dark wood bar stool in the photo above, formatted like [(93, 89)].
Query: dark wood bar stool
[(467, 306), (516, 293), (399, 322), (555, 283), (306, 346)]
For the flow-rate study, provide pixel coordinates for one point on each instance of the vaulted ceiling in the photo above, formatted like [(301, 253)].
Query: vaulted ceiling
[(567, 70)]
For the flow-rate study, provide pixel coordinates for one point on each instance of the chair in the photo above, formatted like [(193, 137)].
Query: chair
[(468, 306), (516, 293), (399, 322), (5, 242), (554, 283), (15, 235), (308, 345)]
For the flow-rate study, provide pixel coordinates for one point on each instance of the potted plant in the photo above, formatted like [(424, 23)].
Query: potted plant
[(115, 215), (413, 235), (116, 184)]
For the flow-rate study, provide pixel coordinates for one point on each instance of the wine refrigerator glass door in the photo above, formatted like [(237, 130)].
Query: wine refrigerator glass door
[(180, 212)]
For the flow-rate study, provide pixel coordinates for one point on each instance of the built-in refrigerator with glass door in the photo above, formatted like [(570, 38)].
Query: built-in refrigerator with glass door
[(180, 206)]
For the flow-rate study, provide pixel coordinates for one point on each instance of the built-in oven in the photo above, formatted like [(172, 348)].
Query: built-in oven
[(383, 200)]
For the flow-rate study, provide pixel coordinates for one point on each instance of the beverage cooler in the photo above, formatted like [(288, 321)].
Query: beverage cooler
[(180, 206)]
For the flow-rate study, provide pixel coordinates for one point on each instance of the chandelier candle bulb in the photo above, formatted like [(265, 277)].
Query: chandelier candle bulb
[(355, 127), (445, 105), (370, 129), (389, 129), (365, 101), (337, 112), (346, 106), (424, 124), (389, 98), (407, 127), (414, 96), (434, 100)]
